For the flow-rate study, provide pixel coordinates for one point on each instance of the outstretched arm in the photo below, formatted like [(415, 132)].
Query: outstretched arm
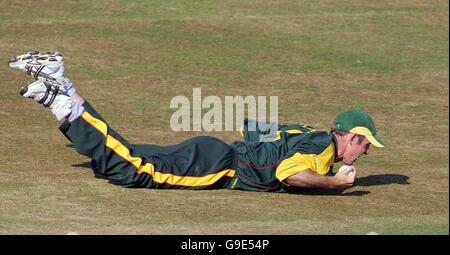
[(310, 179)]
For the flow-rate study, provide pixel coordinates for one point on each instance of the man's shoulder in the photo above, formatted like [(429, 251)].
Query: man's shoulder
[(320, 136), (315, 142)]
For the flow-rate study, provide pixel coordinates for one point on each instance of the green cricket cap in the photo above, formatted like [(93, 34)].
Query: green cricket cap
[(357, 121)]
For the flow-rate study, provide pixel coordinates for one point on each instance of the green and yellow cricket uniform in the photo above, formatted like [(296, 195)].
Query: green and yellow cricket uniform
[(201, 162), (263, 166)]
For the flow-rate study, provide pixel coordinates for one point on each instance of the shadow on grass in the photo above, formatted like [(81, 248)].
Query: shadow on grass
[(87, 164), (382, 179), (325, 192), (83, 165), (371, 180)]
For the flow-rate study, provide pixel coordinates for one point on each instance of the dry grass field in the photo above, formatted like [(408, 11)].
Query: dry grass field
[(319, 57)]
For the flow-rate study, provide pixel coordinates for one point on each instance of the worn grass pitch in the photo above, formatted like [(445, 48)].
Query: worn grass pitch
[(320, 57)]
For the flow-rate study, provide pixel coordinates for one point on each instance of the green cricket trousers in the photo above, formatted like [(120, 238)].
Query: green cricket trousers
[(202, 162)]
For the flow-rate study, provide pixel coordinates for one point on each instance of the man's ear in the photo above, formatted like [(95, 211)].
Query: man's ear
[(352, 138)]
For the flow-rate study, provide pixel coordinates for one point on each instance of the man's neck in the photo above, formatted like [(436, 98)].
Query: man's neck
[(339, 152)]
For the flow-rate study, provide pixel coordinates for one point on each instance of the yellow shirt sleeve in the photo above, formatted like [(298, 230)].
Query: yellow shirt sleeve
[(295, 164), (298, 162)]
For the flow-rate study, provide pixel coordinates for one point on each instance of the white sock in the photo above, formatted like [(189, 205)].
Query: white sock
[(77, 110), (61, 107), (68, 85)]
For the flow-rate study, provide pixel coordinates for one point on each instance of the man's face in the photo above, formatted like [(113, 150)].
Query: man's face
[(354, 148)]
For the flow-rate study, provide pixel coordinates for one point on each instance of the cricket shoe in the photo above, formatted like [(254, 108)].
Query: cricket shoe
[(40, 65), (50, 93)]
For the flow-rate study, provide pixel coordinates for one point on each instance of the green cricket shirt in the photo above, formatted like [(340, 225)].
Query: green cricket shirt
[(263, 166)]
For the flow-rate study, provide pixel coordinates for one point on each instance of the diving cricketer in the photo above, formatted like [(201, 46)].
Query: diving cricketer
[(298, 156)]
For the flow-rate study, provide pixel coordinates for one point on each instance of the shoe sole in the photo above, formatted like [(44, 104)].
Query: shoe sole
[(20, 61), (36, 58)]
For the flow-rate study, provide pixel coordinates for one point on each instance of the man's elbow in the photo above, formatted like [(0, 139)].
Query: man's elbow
[(301, 180), (297, 182)]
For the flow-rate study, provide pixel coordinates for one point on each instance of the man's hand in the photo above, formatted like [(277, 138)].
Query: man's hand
[(346, 175)]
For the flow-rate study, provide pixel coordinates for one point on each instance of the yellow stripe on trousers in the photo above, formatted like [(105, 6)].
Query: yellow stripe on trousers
[(149, 168)]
